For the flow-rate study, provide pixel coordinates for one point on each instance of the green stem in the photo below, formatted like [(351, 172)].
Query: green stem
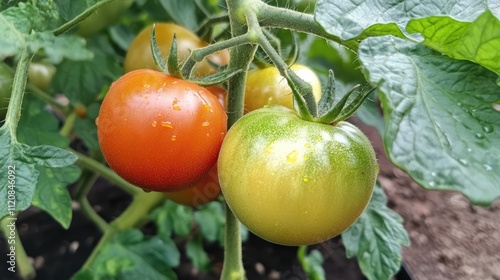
[(301, 85), (45, 97), (241, 57), (207, 25), (110, 175), (23, 265), (16, 99), (69, 123), (276, 17), (198, 55), (87, 210), (72, 23), (133, 216)]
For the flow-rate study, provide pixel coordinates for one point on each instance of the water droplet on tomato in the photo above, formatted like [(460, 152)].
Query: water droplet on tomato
[(175, 105), (292, 156), (154, 124), (305, 179), (173, 138), (207, 107), (268, 148), (205, 123), (167, 124), (146, 96)]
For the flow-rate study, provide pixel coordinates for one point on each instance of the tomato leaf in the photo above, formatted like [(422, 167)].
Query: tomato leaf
[(131, 255), (441, 127), (360, 19), (82, 81), (17, 26), (173, 218), (376, 239), (211, 220), (477, 40), (71, 9), (51, 194), (216, 78), (195, 252), (182, 12), (23, 159)]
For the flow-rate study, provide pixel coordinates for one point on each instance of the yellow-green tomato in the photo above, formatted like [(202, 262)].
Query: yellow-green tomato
[(266, 86), (295, 182)]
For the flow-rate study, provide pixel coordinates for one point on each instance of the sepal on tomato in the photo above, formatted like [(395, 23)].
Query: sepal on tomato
[(155, 50)]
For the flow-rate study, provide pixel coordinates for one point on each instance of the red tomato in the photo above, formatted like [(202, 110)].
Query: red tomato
[(158, 132)]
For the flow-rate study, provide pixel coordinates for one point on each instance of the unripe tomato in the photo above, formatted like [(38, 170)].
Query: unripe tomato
[(103, 17), (158, 132), (6, 80), (41, 74), (266, 86), (295, 182), (139, 54), (201, 193)]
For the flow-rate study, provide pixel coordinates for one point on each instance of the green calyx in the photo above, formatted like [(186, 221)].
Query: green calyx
[(173, 68), (326, 110)]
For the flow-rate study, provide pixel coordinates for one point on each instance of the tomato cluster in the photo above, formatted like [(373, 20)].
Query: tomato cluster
[(288, 180)]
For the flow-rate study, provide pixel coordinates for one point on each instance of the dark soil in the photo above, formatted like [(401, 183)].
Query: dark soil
[(450, 238)]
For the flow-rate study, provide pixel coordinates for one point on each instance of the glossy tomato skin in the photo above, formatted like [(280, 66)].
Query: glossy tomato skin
[(294, 182), (139, 53), (201, 193), (158, 132), (266, 86)]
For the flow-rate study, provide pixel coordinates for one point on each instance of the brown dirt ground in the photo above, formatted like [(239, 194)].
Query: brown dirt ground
[(450, 238)]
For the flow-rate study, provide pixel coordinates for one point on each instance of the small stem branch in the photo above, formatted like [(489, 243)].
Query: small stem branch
[(72, 23), (92, 215), (253, 24), (198, 55), (42, 95), (133, 216), (107, 173), (276, 17), (69, 123), (16, 99)]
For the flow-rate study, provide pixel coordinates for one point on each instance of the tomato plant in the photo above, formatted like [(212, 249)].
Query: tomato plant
[(139, 53), (266, 86), (158, 132), (295, 182), (292, 177)]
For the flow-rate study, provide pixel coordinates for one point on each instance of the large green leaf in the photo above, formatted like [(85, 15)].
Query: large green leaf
[(440, 125), (363, 18), (477, 41), (376, 239), (131, 255)]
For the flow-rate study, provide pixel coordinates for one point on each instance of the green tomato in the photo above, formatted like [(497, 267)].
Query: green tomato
[(41, 74), (295, 182), (266, 86), (103, 17), (6, 79)]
